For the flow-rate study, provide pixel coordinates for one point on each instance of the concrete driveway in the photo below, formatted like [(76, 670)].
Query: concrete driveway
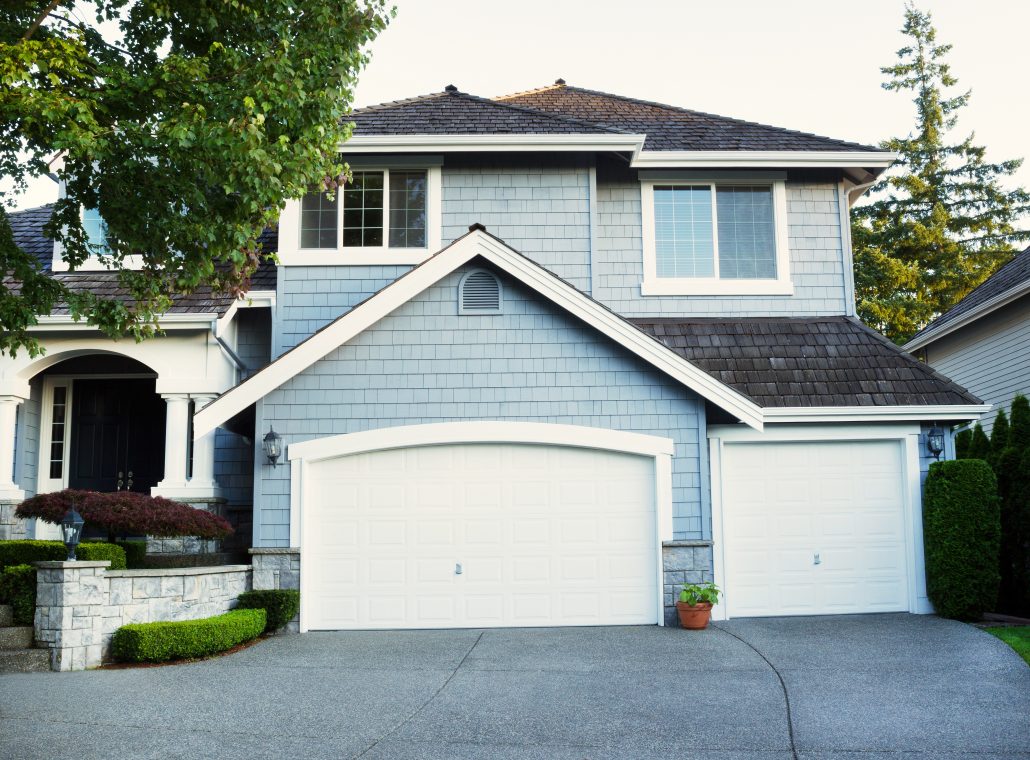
[(852, 688)]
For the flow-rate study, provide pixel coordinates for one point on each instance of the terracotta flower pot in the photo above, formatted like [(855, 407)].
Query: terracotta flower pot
[(696, 617)]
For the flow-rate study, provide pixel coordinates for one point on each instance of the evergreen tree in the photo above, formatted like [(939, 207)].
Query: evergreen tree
[(1012, 468), (942, 221), (979, 444), (1019, 427), (962, 440), (999, 436)]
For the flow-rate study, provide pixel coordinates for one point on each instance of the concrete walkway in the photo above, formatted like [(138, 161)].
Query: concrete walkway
[(856, 688)]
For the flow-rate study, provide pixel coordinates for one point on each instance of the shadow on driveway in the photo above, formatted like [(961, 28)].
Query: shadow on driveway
[(859, 687)]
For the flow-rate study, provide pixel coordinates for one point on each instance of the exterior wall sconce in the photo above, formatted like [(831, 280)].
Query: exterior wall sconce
[(71, 531), (272, 443), (935, 442)]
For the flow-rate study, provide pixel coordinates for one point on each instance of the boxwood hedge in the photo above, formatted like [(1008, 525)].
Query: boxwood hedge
[(25, 552), (962, 531), (135, 553), (18, 589), (186, 639), (281, 605)]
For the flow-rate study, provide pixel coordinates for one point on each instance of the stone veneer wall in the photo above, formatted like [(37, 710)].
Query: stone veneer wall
[(276, 568), (683, 562), (79, 605), (12, 527), (190, 544)]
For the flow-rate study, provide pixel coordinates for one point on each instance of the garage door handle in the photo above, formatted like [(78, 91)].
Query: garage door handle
[(457, 568), (816, 560)]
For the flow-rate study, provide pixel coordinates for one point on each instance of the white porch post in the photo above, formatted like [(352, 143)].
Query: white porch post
[(204, 452), (177, 429), (8, 432)]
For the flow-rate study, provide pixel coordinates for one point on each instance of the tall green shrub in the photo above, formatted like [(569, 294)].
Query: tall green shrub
[(18, 589), (1019, 423), (961, 526), (979, 445), (999, 437), (1012, 469), (963, 440)]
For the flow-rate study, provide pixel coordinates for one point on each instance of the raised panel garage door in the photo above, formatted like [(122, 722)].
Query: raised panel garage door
[(480, 535), (814, 528)]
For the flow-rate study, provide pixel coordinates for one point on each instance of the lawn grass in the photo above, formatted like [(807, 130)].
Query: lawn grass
[(1016, 636)]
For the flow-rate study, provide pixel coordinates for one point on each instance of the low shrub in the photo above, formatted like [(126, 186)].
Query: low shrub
[(962, 528), (126, 513), (135, 553), (186, 639), (280, 605), (18, 589), (25, 552)]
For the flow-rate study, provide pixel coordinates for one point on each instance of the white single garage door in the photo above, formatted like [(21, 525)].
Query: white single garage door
[(814, 528), (480, 535)]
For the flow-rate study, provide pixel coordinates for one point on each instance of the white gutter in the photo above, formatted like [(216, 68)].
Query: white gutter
[(193, 321), (972, 315), (752, 158), (480, 143), (874, 413)]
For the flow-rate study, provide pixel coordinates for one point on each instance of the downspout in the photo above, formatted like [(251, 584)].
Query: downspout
[(229, 353), (849, 196)]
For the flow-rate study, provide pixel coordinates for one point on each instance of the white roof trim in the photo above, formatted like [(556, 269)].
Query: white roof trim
[(874, 413), (992, 304), (477, 143), (178, 321), (750, 158), (477, 243)]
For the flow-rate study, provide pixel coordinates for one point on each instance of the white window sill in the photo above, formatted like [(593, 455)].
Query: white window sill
[(354, 256), (683, 286)]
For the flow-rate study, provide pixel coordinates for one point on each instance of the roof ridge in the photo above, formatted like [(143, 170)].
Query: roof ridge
[(693, 112), (535, 90), (388, 104), (30, 210)]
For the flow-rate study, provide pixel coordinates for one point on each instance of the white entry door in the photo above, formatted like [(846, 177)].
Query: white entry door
[(480, 535), (814, 528)]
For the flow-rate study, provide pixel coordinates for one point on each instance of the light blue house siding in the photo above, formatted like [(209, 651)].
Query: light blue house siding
[(534, 362), (816, 256)]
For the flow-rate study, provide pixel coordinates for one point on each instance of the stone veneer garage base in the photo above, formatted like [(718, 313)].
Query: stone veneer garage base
[(79, 605)]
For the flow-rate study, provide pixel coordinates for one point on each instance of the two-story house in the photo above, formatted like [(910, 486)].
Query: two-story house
[(543, 359)]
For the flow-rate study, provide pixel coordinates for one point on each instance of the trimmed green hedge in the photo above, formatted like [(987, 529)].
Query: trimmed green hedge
[(25, 552), (18, 589), (135, 553), (186, 639), (962, 530), (281, 605)]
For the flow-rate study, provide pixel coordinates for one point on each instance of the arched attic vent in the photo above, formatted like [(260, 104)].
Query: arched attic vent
[(479, 292)]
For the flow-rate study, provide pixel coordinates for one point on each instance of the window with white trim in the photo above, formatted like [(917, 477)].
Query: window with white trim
[(715, 238), (379, 216)]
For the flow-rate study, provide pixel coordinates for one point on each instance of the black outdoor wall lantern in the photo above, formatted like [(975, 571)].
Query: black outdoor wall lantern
[(273, 445), (935, 442), (71, 531)]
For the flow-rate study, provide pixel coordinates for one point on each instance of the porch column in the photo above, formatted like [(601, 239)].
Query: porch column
[(8, 433), (177, 430), (204, 451)]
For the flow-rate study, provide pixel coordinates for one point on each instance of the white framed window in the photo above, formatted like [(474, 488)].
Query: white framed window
[(382, 216), (715, 238), (95, 228)]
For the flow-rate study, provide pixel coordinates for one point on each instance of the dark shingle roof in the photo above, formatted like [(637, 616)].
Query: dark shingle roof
[(669, 127), (805, 362), (458, 113), (1012, 275), (27, 227)]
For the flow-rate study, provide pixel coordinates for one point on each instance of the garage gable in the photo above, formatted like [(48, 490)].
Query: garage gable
[(478, 243)]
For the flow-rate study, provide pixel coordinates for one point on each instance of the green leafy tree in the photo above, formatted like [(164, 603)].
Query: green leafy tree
[(942, 220), (186, 123)]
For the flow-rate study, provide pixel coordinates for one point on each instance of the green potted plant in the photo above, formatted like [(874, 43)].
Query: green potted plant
[(695, 604)]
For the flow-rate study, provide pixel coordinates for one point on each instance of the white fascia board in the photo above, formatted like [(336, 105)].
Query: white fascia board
[(192, 321), (970, 316), (256, 299), (874, 413), (433, 270), (753, 158), (499, 143)]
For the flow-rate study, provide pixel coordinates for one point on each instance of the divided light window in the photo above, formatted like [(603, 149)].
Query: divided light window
[(715, 231), (375, 206)]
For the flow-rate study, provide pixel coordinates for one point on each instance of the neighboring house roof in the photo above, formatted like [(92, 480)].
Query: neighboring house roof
[(27, 227), (476, 244), (1002, 287), (671, 128), (807, 362), (457, 113)]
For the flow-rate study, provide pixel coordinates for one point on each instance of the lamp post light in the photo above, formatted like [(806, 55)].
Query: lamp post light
[(935, 442), (272, 443), (71, 531)]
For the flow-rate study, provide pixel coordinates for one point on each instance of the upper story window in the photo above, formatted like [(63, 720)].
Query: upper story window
[(715, 238), (382, 216), (95, 228)]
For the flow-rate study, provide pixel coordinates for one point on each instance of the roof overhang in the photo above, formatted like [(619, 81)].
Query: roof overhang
[(982, 310), (64, 323), (914, 413), (782, 159), (605, 143), (477, 243)]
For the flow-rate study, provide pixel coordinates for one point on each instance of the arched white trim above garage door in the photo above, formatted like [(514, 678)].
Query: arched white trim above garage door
[(906, 437), (306, 458)]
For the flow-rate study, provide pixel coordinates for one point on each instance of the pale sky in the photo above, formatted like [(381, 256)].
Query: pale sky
[(812, 65)]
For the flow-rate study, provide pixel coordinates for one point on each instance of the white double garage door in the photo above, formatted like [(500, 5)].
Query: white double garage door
[(485, 534)]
